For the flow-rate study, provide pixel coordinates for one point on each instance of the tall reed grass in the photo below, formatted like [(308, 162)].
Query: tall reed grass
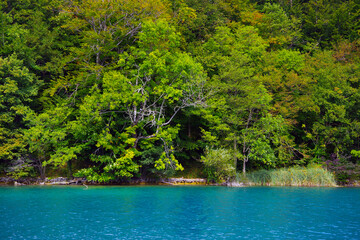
[(294, 176)]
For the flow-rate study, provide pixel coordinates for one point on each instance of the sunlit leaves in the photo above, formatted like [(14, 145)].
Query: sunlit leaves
[(106, 26), (17, 88), (131, 106), (219, 164), (277, 27)]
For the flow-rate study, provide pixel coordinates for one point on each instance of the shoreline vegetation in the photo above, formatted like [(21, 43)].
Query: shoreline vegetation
[(104, 90), (294, 177)]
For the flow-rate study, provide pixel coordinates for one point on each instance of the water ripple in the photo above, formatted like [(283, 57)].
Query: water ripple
[(161, 212)]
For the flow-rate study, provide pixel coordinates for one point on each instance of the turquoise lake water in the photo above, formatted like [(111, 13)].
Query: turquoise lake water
[(178, 212)]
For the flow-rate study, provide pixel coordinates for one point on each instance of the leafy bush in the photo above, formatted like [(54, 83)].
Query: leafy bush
[(345, 171), (219, 164), (21, 167)]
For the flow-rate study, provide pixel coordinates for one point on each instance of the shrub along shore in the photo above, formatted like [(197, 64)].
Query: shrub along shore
[(295, 176)]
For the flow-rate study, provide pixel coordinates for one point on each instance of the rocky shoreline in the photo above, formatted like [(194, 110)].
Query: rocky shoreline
[(39, 181), (83, 181), (162, 181)]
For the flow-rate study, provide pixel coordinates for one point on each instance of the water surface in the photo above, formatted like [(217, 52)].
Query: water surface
[(178, 212)]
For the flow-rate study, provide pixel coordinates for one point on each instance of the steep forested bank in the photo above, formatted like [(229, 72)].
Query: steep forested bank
[(116, 89)]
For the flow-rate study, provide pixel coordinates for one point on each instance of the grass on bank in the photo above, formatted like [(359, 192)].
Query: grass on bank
[(294, 176)]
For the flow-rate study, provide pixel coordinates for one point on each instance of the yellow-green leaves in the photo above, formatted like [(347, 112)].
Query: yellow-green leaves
[(355, 153), (123, 167), (63, 155), (159, 35), (168, 161), (277, 27), (105, 27), (129, 107), (219, 164)]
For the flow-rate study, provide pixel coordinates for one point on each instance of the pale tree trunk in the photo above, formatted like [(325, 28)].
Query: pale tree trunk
[(41, 168), (246, 149), (244, 165)]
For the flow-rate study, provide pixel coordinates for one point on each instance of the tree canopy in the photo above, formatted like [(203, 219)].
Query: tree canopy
[(119, 89)]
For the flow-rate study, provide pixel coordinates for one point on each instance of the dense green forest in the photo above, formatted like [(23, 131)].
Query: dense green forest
[(120, 89)]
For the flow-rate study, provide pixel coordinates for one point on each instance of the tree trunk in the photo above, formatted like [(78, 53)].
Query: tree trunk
[(244, 165), (235, 157), (69, 163), (189, 129), (42, 169)]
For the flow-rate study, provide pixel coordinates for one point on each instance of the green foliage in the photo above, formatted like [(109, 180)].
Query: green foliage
[(128, 109), (21, 168), (219, 164), (104, 27), (231, 58), (268, 143), (212, 14), (328, 21), (32, 32), (47, 137), (17, 88), (123, 167), (277, 27), (283, 77), (333, 95), (295, 176), (346, 172), (355, 153), (289, 60), (138, 88), (93, 175)]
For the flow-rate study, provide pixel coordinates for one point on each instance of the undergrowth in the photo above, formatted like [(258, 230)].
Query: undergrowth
[(294, 176)]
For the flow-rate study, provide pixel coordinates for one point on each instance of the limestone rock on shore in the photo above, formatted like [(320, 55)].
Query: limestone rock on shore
[(174, 181), (39, 181)]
